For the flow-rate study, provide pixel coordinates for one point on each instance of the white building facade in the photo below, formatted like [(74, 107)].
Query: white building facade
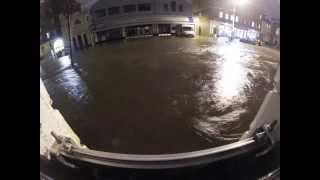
[(115, 19), (216, 19), (81, 35)]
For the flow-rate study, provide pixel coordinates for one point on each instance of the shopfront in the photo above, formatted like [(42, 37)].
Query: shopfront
[(225, 30)]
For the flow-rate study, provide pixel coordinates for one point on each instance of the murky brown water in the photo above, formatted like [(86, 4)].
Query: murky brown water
[(155, 95)]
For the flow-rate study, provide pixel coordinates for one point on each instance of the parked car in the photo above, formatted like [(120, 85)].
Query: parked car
[(188, 31)]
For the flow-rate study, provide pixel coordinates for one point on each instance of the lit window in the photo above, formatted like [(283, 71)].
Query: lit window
[(227, 16), (221, 14), (252, 24), (260, 16), (231, 17), (259, 26), (237, 19)]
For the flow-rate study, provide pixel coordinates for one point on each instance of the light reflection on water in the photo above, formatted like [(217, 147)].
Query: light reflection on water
[(231, 75), (64, 61), (125, 98), (69, 81), (228, 81), (73, 84)]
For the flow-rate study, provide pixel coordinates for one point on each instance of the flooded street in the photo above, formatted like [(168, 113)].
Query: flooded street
[(161, 95)]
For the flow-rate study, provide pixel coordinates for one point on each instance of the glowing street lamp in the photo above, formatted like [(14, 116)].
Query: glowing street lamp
[(240, 2)]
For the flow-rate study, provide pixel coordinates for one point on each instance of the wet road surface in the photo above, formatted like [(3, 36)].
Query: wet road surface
[(153, 96)]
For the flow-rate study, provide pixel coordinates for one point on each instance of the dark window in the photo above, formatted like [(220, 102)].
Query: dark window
[(187, 28), (85, 40), (129, 8), (77, 21), (100, 12), (181, 8), (165, 7), (74, 43), (114, 10), (173, 6), (144, 7)]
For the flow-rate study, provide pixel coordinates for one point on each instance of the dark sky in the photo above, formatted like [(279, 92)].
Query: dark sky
[(271, 7)]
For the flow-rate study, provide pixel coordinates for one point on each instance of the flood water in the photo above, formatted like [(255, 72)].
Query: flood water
[(161, 95)]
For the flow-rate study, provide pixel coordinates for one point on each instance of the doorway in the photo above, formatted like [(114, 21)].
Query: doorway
[(85, 40), (80, 42)]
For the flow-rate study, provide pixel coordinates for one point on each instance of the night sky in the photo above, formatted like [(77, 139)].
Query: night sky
[(270, 7)]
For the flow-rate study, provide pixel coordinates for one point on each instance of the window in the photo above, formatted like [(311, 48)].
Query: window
[(220, 14), (165, 7), (252, 24), (181, 8), (100, 12), (114, 10), (87, 18), (237, 19), (231, 17), (187, 28), (173, 6), (144, 7), (77, 22), (129, 8), (259, 26), (227, 16)]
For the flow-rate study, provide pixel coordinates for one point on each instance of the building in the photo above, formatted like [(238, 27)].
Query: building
[(49, 24), (275, 32), (81, 35), (216, 19), (114, 19), (265, 31)]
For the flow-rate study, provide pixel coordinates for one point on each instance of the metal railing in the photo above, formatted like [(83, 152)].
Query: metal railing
[(69, 151)]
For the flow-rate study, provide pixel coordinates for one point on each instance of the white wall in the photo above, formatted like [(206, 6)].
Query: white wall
[(112, 21), (78, 29)]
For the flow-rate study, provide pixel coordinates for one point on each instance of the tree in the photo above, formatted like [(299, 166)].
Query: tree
[(65, 8)]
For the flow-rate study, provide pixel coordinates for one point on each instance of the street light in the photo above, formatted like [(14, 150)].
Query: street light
[(240, 2), (235, 3)]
